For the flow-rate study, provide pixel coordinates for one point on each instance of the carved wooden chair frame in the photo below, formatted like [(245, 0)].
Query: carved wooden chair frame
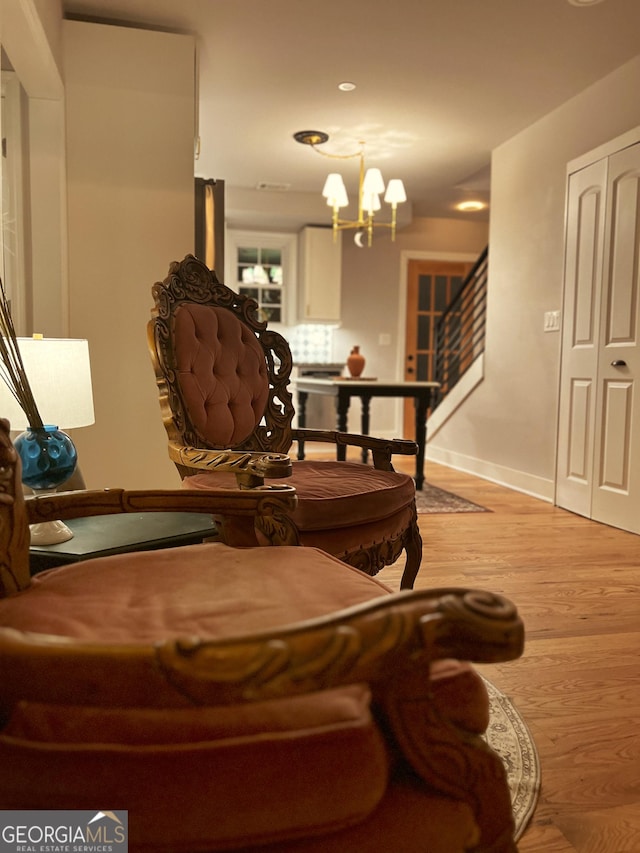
[(264, 453)]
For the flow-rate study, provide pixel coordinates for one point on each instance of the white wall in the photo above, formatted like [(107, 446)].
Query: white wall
[(507, 429), (130, 131)]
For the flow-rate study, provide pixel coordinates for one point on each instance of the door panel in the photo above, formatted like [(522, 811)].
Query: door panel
[(583, 285), (616, 495), (622, 291), (580, 442), (615, 437)]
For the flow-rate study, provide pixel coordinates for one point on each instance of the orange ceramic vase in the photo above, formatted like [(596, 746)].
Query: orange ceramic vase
[(355, 362)]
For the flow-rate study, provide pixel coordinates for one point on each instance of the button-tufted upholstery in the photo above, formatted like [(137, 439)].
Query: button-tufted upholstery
[(221, 372)]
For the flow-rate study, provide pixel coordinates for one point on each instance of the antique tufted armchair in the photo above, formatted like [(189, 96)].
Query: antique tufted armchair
[(223, 381), (255, 699)]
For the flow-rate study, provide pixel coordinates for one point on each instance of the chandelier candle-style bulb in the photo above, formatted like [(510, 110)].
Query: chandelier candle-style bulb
[(395, 193), (394, 196), (373, 183), (335, 191), (371, 202)]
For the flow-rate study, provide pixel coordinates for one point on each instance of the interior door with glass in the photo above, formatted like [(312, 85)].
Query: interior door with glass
[(431, 286)]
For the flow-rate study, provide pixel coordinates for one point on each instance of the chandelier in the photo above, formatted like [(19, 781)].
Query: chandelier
[(370, 188)]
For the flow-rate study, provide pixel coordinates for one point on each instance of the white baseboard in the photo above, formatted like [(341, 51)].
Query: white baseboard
[(520, 481)]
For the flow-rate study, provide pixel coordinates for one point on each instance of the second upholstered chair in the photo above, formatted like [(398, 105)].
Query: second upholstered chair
[(223, 381)]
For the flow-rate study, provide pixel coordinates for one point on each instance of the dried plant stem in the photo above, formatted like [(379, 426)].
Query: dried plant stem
[(11, 366)]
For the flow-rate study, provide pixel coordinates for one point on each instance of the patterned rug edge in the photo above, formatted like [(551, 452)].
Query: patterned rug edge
[(431, 499), (510, 737)]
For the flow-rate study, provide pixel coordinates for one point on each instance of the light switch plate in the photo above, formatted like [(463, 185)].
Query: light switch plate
[(552, 321)]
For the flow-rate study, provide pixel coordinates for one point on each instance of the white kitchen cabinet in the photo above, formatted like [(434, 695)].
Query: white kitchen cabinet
[(320, 275)]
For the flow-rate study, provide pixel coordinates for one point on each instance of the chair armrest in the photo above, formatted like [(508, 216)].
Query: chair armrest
[(250, 467), (382, 449), (379, 642), (265, 508), (76, 504)]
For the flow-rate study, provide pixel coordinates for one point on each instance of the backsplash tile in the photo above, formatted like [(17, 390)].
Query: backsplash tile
[(311, 343)]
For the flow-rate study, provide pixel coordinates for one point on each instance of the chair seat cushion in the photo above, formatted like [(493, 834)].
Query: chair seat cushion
[(203, 778), (333, 494), (196, 590), (251, 764)]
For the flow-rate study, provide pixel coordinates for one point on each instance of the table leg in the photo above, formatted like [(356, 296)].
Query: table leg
[(302, 418), (421, 402), (342, 408), (366, 404)]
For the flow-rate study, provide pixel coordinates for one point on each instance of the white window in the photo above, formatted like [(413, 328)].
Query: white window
[(263, 266)]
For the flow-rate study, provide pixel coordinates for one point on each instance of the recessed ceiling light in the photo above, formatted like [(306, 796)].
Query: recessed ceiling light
[(585, 2), (468, 206), (346, 86)]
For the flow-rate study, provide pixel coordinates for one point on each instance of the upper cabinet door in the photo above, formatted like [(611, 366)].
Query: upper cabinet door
[(319, 293)]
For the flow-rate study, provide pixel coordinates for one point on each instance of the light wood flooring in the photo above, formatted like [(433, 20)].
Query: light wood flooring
[(576, 585)]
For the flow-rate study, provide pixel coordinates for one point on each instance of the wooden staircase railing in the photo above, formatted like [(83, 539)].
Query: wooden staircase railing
[(460, 330)]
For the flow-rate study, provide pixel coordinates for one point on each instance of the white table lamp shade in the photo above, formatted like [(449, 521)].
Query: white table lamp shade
[(59, 372)]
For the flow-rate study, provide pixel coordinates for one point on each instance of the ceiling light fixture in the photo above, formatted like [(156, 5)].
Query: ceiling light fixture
[(370, 188), (584, 2)]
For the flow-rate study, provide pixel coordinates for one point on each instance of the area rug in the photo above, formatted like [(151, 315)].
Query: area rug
[(432, 499), (509, 736)]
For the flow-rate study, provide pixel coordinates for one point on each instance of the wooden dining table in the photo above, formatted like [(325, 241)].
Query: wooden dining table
[(344, 388)]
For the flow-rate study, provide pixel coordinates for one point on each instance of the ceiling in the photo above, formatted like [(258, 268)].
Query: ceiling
[(439, 84)]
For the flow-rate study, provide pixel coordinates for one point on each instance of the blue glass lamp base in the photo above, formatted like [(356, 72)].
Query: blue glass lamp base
[(49, 458)]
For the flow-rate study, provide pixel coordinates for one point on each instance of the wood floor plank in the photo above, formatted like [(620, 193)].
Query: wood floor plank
[(547, 838), (604, 831)]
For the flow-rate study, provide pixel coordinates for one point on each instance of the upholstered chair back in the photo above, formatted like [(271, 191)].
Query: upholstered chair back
[(222, 376), (221, 373)]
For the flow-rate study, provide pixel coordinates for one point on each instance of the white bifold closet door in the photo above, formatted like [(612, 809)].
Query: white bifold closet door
[(598, 473)]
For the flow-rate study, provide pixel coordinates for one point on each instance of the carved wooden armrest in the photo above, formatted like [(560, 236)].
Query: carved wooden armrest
[(387, 642), (251, 468), (450, 759), (243, 502), (268, 508), (382, 449)]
